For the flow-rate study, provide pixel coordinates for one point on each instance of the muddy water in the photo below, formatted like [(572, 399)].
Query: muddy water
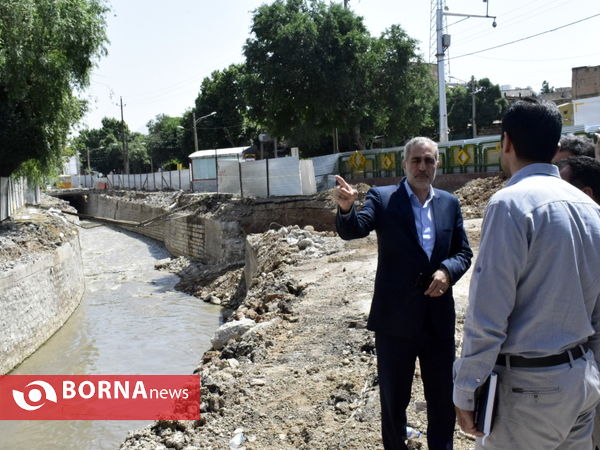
[(131, 321)]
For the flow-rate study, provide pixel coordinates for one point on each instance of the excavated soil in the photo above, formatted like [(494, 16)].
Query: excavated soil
[(33, 232), (474, 195), (302, 374)]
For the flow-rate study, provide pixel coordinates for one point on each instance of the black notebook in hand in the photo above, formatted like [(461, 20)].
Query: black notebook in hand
[(485, 404)]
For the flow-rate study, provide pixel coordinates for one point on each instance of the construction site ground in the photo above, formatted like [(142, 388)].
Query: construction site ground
[(305, 376)]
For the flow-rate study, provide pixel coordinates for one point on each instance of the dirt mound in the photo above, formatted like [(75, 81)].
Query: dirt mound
[(225, 284), (32, 233), (475, 195), (294, 367)]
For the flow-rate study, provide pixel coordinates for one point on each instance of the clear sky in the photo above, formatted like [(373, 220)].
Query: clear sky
[(160, 51)]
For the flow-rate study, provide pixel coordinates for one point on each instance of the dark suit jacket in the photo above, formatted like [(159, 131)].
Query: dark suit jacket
[(399, 307)]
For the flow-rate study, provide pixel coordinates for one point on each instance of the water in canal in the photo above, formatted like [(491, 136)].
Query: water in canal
[(130, 321)]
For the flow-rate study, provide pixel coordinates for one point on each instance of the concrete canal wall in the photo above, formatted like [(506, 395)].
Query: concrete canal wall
[(183, 234), (36, 299)]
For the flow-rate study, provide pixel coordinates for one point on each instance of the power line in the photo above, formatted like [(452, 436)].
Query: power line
[(525, 38), (511, 18), (540, 60)]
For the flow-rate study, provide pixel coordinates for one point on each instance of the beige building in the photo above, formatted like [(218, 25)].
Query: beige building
[(585, 81)]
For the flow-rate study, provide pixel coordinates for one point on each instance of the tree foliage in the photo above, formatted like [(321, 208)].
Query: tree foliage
[(403, 85), (47, 49), (224, 93), (489, 106), (103, 145), (546, 88), (313, 67), (165, 141)]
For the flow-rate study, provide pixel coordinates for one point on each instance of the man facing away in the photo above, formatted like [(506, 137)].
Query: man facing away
[(534, 311), (422, 251)]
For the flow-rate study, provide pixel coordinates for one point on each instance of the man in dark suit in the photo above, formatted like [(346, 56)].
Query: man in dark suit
[(423, 251)]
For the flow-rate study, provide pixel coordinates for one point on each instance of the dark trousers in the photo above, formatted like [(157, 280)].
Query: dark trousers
[(395, 367)]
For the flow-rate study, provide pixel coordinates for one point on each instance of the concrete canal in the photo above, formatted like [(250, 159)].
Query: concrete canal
[(131, 321)]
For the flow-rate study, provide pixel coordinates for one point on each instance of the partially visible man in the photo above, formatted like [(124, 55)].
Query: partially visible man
[(423, 251), (571, 145), (534, 300), (582, 172)]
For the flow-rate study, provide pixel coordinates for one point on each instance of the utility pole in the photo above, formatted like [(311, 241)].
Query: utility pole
[(125, 148), (473, 112), (443, 42)]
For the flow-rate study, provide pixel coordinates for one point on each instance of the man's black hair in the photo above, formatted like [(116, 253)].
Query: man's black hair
[(577, 145), (534, 128), (585, 172)]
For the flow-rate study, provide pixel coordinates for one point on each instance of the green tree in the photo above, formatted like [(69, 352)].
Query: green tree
[(305, 61), (104, 147), (489, 106), (546, 88), (165, 140), (139, 156), (403, 86), (313, 67), (47, 51), (223, 92)]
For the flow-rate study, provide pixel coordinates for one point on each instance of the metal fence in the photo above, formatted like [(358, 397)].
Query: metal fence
[(15, 193), (461, 156), (267, 177), (156, 181)]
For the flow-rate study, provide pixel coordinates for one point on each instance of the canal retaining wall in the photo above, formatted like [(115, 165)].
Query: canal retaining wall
[(36, 299), (183, 233)]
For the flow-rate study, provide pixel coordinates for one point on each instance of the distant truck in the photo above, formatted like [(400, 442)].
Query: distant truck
[(584, 111)]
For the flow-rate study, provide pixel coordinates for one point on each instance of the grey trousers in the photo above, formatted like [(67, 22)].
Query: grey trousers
[(546, 408)]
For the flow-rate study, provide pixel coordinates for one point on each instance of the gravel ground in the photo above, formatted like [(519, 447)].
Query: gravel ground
[(299, 372)]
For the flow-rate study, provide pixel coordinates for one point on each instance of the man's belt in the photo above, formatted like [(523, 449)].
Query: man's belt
[(545, 361)]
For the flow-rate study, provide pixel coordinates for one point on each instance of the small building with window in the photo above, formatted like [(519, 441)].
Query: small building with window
[(204, 166)]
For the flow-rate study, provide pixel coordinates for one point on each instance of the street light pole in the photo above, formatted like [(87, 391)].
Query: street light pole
[(195, 133), (194, 122), (443, 42)]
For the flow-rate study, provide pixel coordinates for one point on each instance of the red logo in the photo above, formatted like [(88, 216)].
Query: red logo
[(99, 397)]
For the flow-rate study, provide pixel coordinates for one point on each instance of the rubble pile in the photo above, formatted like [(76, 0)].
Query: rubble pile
[(225, 284), (217, 284), (162, 199), (475, 195), (294, 366), (30, 234)]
